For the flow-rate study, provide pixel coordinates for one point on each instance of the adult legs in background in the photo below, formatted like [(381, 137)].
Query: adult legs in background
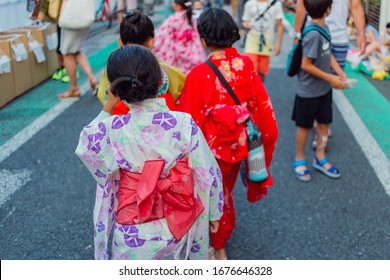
[(125, 5), (228, 219)]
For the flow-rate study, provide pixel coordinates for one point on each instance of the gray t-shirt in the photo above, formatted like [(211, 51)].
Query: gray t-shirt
[(316, 47)]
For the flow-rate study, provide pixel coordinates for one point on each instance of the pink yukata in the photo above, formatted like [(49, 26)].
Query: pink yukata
[(114, 145), (178, 44)]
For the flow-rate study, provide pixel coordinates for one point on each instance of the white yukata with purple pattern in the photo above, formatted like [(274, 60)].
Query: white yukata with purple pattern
[(149, 132)]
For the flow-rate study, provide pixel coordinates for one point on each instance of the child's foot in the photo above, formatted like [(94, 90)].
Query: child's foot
[(325, 167), (220, 254), (301, 171)]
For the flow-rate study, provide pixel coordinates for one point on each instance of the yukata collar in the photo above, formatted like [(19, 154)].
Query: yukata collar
[(149, 105), (223, 54)]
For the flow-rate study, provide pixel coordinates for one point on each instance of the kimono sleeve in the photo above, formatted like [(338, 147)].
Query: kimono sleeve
[(191, 100), (264, 117), (207, 175), (95, 151)]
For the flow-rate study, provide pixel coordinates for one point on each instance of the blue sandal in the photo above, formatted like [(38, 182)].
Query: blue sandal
[(332, 172), (303, 175)]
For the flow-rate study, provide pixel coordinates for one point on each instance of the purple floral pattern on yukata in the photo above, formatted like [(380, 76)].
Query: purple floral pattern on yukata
[(195, 146), (166, 120), (120, 121), (124, 164), (130, 234), (100, 174), (152, 135), (177, 135), (220, 203), (92, 159), (99, 227), (195, 247), (194, 127), (202, 177)]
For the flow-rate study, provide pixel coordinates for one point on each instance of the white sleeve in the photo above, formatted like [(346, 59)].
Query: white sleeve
[(247, 15), (279, 14)]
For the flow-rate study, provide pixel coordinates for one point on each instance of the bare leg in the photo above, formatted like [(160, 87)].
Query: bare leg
[(322, 138), (70, 64), (119, 15), (82, 60), (302, 135)]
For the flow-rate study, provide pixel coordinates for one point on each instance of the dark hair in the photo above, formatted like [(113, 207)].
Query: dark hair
[(136, 28), (134, 73), (317, 8), (217, 28), (388, 25), (187, 6)]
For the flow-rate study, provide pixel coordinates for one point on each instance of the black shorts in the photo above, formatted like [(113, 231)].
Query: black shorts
[(306, 110)]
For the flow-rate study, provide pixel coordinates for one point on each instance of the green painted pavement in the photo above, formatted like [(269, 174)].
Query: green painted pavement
[(372, 107), (24, 110)]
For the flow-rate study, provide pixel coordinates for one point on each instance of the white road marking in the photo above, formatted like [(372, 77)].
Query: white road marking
[(374, 154), (11, 181)]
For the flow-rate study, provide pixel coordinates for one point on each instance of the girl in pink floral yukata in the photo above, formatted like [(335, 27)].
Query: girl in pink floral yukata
[(177, 41), (159, 189)]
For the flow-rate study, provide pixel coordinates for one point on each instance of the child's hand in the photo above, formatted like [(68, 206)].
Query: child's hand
[(213, 226), (337, 82), (276, 50), (111, 102), (246, 25)]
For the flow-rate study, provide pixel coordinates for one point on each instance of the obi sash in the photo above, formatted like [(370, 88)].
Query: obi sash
[(145, 197)]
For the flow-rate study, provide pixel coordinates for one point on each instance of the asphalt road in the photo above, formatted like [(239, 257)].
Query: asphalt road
[(50, 216)]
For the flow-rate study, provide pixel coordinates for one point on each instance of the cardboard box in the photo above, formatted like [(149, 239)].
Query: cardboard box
[(48, 35), (36, 54), (20, 62), (7, 85)]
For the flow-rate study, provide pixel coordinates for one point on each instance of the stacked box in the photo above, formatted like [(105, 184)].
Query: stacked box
[(17, 46), (7, 88)]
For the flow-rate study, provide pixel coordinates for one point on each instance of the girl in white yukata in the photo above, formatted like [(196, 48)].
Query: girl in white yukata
[(159, 187)]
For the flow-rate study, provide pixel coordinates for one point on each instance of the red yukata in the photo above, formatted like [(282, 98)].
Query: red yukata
[(223, 124)]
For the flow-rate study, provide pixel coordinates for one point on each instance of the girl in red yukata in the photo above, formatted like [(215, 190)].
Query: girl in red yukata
[(222, 121)]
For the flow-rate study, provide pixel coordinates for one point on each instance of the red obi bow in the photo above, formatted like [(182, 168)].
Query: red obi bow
[(144, 197)]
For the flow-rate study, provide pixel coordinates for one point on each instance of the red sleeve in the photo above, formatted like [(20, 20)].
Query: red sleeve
[(169, 101), (192, 98), (120, 109), (264, 117)]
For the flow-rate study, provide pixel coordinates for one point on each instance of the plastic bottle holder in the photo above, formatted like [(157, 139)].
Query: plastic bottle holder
[(256, 161)]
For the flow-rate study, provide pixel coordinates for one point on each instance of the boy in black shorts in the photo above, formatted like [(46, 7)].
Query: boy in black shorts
[(313, 100)]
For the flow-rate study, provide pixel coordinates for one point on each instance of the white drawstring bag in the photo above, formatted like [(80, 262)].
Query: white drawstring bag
[(77, 14)]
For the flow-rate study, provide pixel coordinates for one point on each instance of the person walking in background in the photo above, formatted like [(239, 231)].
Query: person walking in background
[(260, 17), (123, 5), (137, 28), (71, 42), (338, 27), (177, 40), (313, 100), (222, 120), (159, 188)]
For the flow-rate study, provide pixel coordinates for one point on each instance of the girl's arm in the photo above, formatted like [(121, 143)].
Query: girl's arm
[(280, 31)]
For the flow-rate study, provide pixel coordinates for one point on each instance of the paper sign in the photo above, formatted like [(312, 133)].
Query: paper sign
[(20, 52), (38, 51), (5, 65), (52, 41)]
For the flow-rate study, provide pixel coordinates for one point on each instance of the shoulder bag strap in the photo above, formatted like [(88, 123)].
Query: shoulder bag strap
[(223, 81), (266, 9), (319, 30)]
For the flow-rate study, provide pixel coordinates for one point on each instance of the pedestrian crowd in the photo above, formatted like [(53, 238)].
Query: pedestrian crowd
[(184, 114)]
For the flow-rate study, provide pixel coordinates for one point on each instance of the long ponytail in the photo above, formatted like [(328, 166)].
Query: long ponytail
[(187, 6)]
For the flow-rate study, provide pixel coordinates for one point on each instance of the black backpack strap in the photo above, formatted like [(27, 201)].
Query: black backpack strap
[(266, 9), (223, 81)]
